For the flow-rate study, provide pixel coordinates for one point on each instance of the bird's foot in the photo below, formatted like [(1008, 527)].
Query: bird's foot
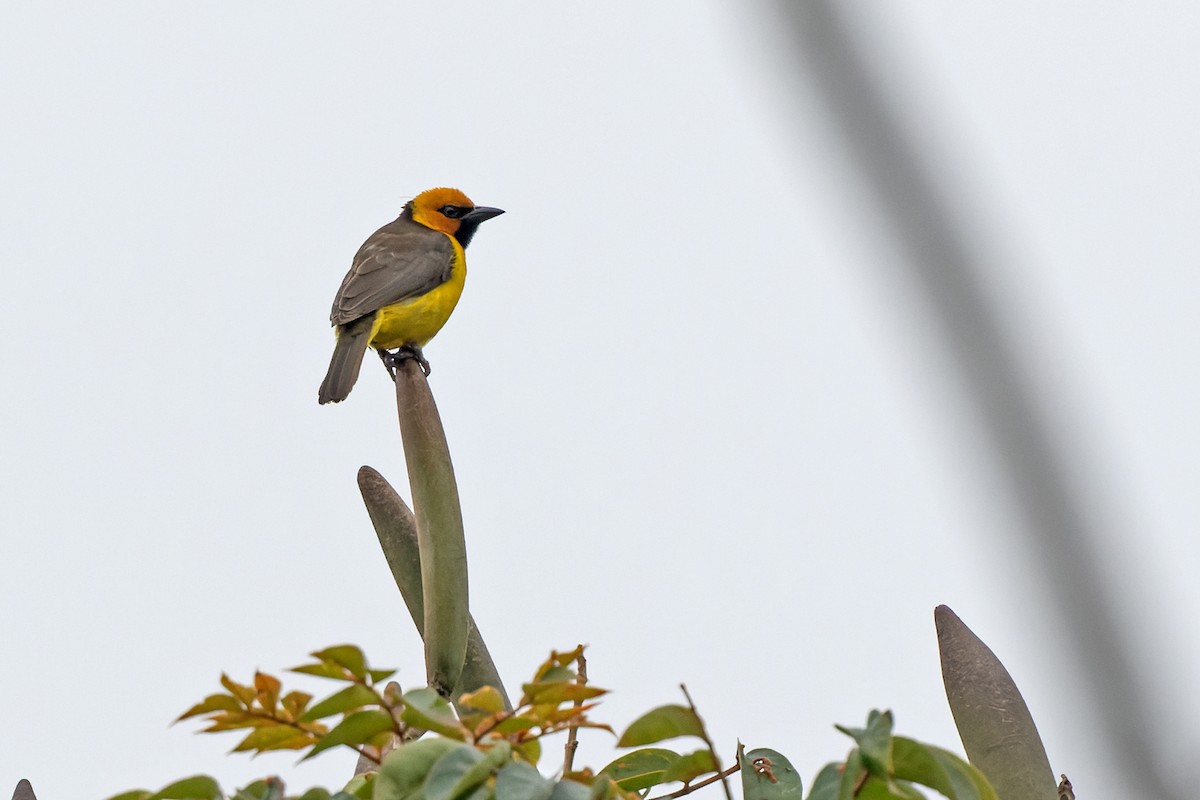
[(394, 358)]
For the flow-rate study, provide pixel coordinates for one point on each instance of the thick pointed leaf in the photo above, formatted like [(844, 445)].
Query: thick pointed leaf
[(397, 530), (664, 722), (640, 769), (135, 794), (940, 770), (356, 729), (353, 696), (519, 781), (874, 742), (404, 770), (768, 775), (425, 708), (996, 727), (197, 787), (439, 529)]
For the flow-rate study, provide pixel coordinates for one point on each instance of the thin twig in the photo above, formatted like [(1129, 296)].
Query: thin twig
[(691, 787), (707, 740), (572, 744)]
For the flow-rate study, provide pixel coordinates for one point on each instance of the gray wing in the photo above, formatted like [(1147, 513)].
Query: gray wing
[(402, 259)]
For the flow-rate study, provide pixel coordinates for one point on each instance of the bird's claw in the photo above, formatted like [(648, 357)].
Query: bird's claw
[(392, 359)]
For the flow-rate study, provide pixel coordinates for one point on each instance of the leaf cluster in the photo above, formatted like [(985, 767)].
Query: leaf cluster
[(483, 750), (416, 745), (886, 767)]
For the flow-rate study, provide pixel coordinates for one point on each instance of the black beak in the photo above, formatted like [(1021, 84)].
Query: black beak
[(469, 222), (480, 214)]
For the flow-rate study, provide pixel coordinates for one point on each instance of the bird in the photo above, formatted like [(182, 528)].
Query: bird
[(402, 286)]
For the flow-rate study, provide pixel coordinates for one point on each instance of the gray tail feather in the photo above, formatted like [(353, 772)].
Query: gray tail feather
[(347, 359)]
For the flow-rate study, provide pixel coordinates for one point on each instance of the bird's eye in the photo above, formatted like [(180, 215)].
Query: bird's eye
[(453, 212)]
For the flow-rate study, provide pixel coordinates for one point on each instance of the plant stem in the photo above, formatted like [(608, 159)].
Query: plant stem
[(707, 740), (572, 743), (720, 776)]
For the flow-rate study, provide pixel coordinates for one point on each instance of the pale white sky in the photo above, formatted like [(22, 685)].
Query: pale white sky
[(699, 420)]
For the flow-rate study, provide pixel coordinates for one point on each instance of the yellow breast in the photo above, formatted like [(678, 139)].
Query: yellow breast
[(417, 320)]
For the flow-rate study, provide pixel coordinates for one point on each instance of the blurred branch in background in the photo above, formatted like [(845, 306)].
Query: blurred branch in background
[(948, 272)]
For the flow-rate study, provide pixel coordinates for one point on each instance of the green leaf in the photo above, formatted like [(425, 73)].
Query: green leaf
[(875, 742), (357, 728), (134, 794), (551, 673), (768, 775), (266, 789), (274, 737), (940, 770), (448, 778), (380, 675), (197, 787), (852, 775), (556, 662), (346, 656), (332, 671), (690, 766), (825, 785), (664, 722), (875, 788), (214, 702), (317, 793), (570, 790), (486, 698), (559, 692), (494, 758), (244, 694), (294, 703), (993, 721), (353, 696), (404, 770), (530, 750), (605, 789), (519, 781), (425, 708), (640, 769), (360, 787)]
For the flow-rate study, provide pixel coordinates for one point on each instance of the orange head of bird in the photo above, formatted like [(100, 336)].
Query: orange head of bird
[(449, 211)]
